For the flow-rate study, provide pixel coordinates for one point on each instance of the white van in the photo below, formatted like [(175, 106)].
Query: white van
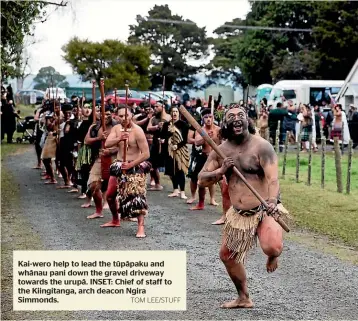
[(58, 93), (304, 91)]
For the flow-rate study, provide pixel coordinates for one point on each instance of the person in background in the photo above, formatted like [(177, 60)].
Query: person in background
[(353, 126), (274, 117), (8, 120), (318, 123), (289, 123), (306, 125), (176, 152), (340, 125)]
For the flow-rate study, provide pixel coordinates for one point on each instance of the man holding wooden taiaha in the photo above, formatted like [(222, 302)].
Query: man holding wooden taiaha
[(247, 218), (128, 172)]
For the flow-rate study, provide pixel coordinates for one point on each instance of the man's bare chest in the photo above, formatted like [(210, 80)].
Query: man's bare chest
[(246, 160)]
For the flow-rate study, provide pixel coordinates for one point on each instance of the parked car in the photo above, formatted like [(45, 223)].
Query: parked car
[(133, 97), (154, 95), (23, 96)]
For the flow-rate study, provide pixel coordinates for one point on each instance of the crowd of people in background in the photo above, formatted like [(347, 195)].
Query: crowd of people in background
[(69, 140)]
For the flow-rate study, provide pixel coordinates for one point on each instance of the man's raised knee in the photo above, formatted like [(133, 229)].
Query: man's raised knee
[(273, 250)]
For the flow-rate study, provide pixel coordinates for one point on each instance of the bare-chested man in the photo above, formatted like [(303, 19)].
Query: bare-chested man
[(94, 138), (203, 150), (129, 177), (157, 154), (256, 160)]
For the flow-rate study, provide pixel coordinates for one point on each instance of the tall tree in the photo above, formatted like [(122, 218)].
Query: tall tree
[(111, 59), (224, 64), (17, 22), (172, 45), (48, 77), (328, 52)]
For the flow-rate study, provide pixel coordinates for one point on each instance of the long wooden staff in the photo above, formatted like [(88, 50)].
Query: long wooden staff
[(115, 98), (103, 114), (94, 118), (125, 126), (203, 134), (105, 159), (163, 88), (57, 123), (82, 101), (174, 152)]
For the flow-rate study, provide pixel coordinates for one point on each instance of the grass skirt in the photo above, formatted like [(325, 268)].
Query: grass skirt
[(132, 189)]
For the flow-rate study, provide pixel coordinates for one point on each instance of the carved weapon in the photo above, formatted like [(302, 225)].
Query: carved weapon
[(94, 118)]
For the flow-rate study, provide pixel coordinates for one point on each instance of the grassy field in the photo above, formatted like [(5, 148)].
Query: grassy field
[(323, 211)]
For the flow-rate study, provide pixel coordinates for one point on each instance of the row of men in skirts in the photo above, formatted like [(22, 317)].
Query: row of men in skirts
[(67, 135)]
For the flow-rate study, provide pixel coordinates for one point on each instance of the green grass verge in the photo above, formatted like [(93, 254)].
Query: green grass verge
[(330, 170), (323, 211)]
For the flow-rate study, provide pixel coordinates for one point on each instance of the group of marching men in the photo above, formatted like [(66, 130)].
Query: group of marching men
[(109, 164)]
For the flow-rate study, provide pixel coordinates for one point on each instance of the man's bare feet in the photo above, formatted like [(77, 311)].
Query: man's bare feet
[(95, 215), (105, 206), (130, 219), (272, 264), (197, 208), (213, 203), (51, 182), (238, 303), (173, 195), (112, 224), (63, 186), (183, 196), (140, 232), (156, 188), (220, 221), (190, 200), (82, 196), (73, 190), (86, 205)]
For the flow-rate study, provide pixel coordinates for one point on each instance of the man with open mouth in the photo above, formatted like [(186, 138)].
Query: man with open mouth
[(247, 218)]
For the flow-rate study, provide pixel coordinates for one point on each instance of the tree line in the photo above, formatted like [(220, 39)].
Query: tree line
[(321, 44)]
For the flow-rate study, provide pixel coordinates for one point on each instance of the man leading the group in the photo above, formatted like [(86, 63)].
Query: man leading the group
[(128, 177), (256, 159)]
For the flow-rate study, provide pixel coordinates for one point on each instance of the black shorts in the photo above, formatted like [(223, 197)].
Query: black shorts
[(197, 163)]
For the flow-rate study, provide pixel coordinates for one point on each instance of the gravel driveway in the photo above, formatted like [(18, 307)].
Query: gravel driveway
[(307, 284)]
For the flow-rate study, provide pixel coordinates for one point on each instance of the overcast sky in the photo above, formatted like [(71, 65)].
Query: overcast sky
[(97, 20)]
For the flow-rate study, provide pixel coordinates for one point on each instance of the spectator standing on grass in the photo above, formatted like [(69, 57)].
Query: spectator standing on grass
[(289, 123), (340, 123), (8, 120), (274, 117)]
